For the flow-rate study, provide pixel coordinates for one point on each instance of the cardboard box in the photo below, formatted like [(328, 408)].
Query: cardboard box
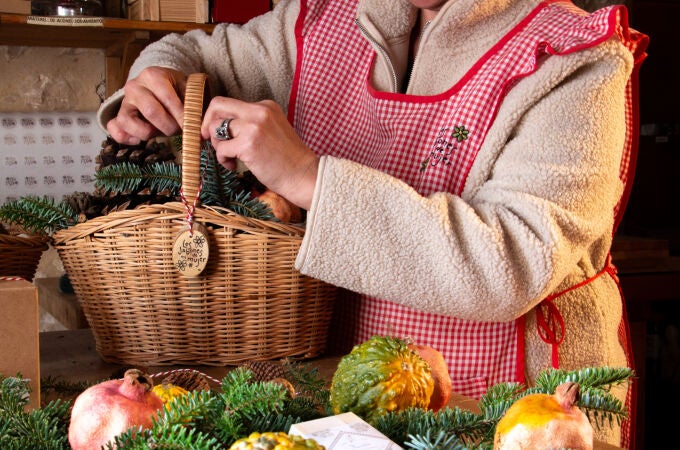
[(169, 10), (16, 6), (19, 334), (343, 432)]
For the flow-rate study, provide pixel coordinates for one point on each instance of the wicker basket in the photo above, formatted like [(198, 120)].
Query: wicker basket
[(248, 304), (20, 255)]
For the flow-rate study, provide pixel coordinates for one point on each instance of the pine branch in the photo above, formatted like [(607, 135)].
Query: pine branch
[(128, 177), (242, 204), (223, 187), (441, 441), (38, 214), (272, 422), (498, 399), (468, 427), (211, 420), (601, 407), (250, 399), (477, 431), (44, 428), (308, 383)]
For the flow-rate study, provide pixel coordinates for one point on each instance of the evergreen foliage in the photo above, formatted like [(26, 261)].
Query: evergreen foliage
[(213, 420), (44, 428), (221, 188), (40, 215), (451, 428)]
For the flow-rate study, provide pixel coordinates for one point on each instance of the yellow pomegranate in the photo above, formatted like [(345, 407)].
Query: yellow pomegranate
[(543, 421)]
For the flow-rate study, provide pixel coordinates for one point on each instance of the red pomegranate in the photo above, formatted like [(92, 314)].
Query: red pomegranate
[(107, 409)]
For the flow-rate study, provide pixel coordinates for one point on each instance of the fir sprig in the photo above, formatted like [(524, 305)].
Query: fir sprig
[(221, 187), (127, 177), (44, 428), (417, 425), (40, 215), (442, 441), (213, 420), (476, 431)]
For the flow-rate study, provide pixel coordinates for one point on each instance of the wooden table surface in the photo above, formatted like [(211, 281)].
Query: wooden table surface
[(71, 356)]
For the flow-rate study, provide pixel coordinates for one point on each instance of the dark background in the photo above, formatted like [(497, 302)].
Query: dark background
[(652, 214)]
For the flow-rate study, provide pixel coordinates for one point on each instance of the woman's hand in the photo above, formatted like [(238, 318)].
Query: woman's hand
[(266, 143), (152, 106)]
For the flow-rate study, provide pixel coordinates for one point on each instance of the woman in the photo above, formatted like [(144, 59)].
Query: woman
[(463, 164)]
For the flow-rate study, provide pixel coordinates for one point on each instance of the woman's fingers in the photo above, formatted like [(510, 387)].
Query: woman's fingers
[(152, 105), (261, 138), (166, 87)]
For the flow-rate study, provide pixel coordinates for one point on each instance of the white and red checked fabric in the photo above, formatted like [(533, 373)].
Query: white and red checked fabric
[(430, 142)]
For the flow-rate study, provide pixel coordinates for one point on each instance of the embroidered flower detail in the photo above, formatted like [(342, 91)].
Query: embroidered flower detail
[(460, 133)]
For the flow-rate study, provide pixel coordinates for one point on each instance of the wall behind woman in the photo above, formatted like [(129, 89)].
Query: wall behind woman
[(51, 79)]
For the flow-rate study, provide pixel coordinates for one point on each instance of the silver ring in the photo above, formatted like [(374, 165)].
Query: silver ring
[(222, 132)]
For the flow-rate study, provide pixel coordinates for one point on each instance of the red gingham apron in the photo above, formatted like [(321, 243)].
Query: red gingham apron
[(431, 142)]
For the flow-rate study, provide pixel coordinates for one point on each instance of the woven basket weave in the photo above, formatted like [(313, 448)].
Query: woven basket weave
[(20, 255), (248, 304)]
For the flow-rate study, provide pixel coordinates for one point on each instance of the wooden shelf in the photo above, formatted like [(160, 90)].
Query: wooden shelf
[(121, 39), (17, 29)]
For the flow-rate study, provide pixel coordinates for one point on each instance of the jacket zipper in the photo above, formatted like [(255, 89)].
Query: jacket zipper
[(420, 41), (386, 55), (382, 51)]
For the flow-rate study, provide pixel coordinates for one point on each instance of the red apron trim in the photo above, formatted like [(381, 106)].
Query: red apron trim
[(520, 360), (12, 279), (549, 320), (299, 27), (550, 325)]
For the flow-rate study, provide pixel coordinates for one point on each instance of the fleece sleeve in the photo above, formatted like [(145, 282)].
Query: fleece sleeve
[(252, 62), (541, 192)]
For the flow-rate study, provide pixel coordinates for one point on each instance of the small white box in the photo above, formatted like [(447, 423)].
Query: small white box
[(344, 432)]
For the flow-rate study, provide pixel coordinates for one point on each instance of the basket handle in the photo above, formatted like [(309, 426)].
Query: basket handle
[(195, 93)]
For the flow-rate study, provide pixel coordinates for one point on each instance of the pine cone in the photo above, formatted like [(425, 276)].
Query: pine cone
[(190, 380), (265, 370), (145, 153), (85, 205)]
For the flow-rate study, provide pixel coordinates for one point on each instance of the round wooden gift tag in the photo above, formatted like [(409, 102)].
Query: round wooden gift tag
[(191, 250)]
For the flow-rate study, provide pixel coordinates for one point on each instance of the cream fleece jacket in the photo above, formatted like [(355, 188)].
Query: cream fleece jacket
[(535, 215)]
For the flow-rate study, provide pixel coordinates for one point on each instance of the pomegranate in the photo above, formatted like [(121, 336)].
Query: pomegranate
[(545, 421), (440, 372), (282, 209), (105, 410)]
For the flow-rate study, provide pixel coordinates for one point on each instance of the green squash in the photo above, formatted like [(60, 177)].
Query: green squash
[(379, 376)]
